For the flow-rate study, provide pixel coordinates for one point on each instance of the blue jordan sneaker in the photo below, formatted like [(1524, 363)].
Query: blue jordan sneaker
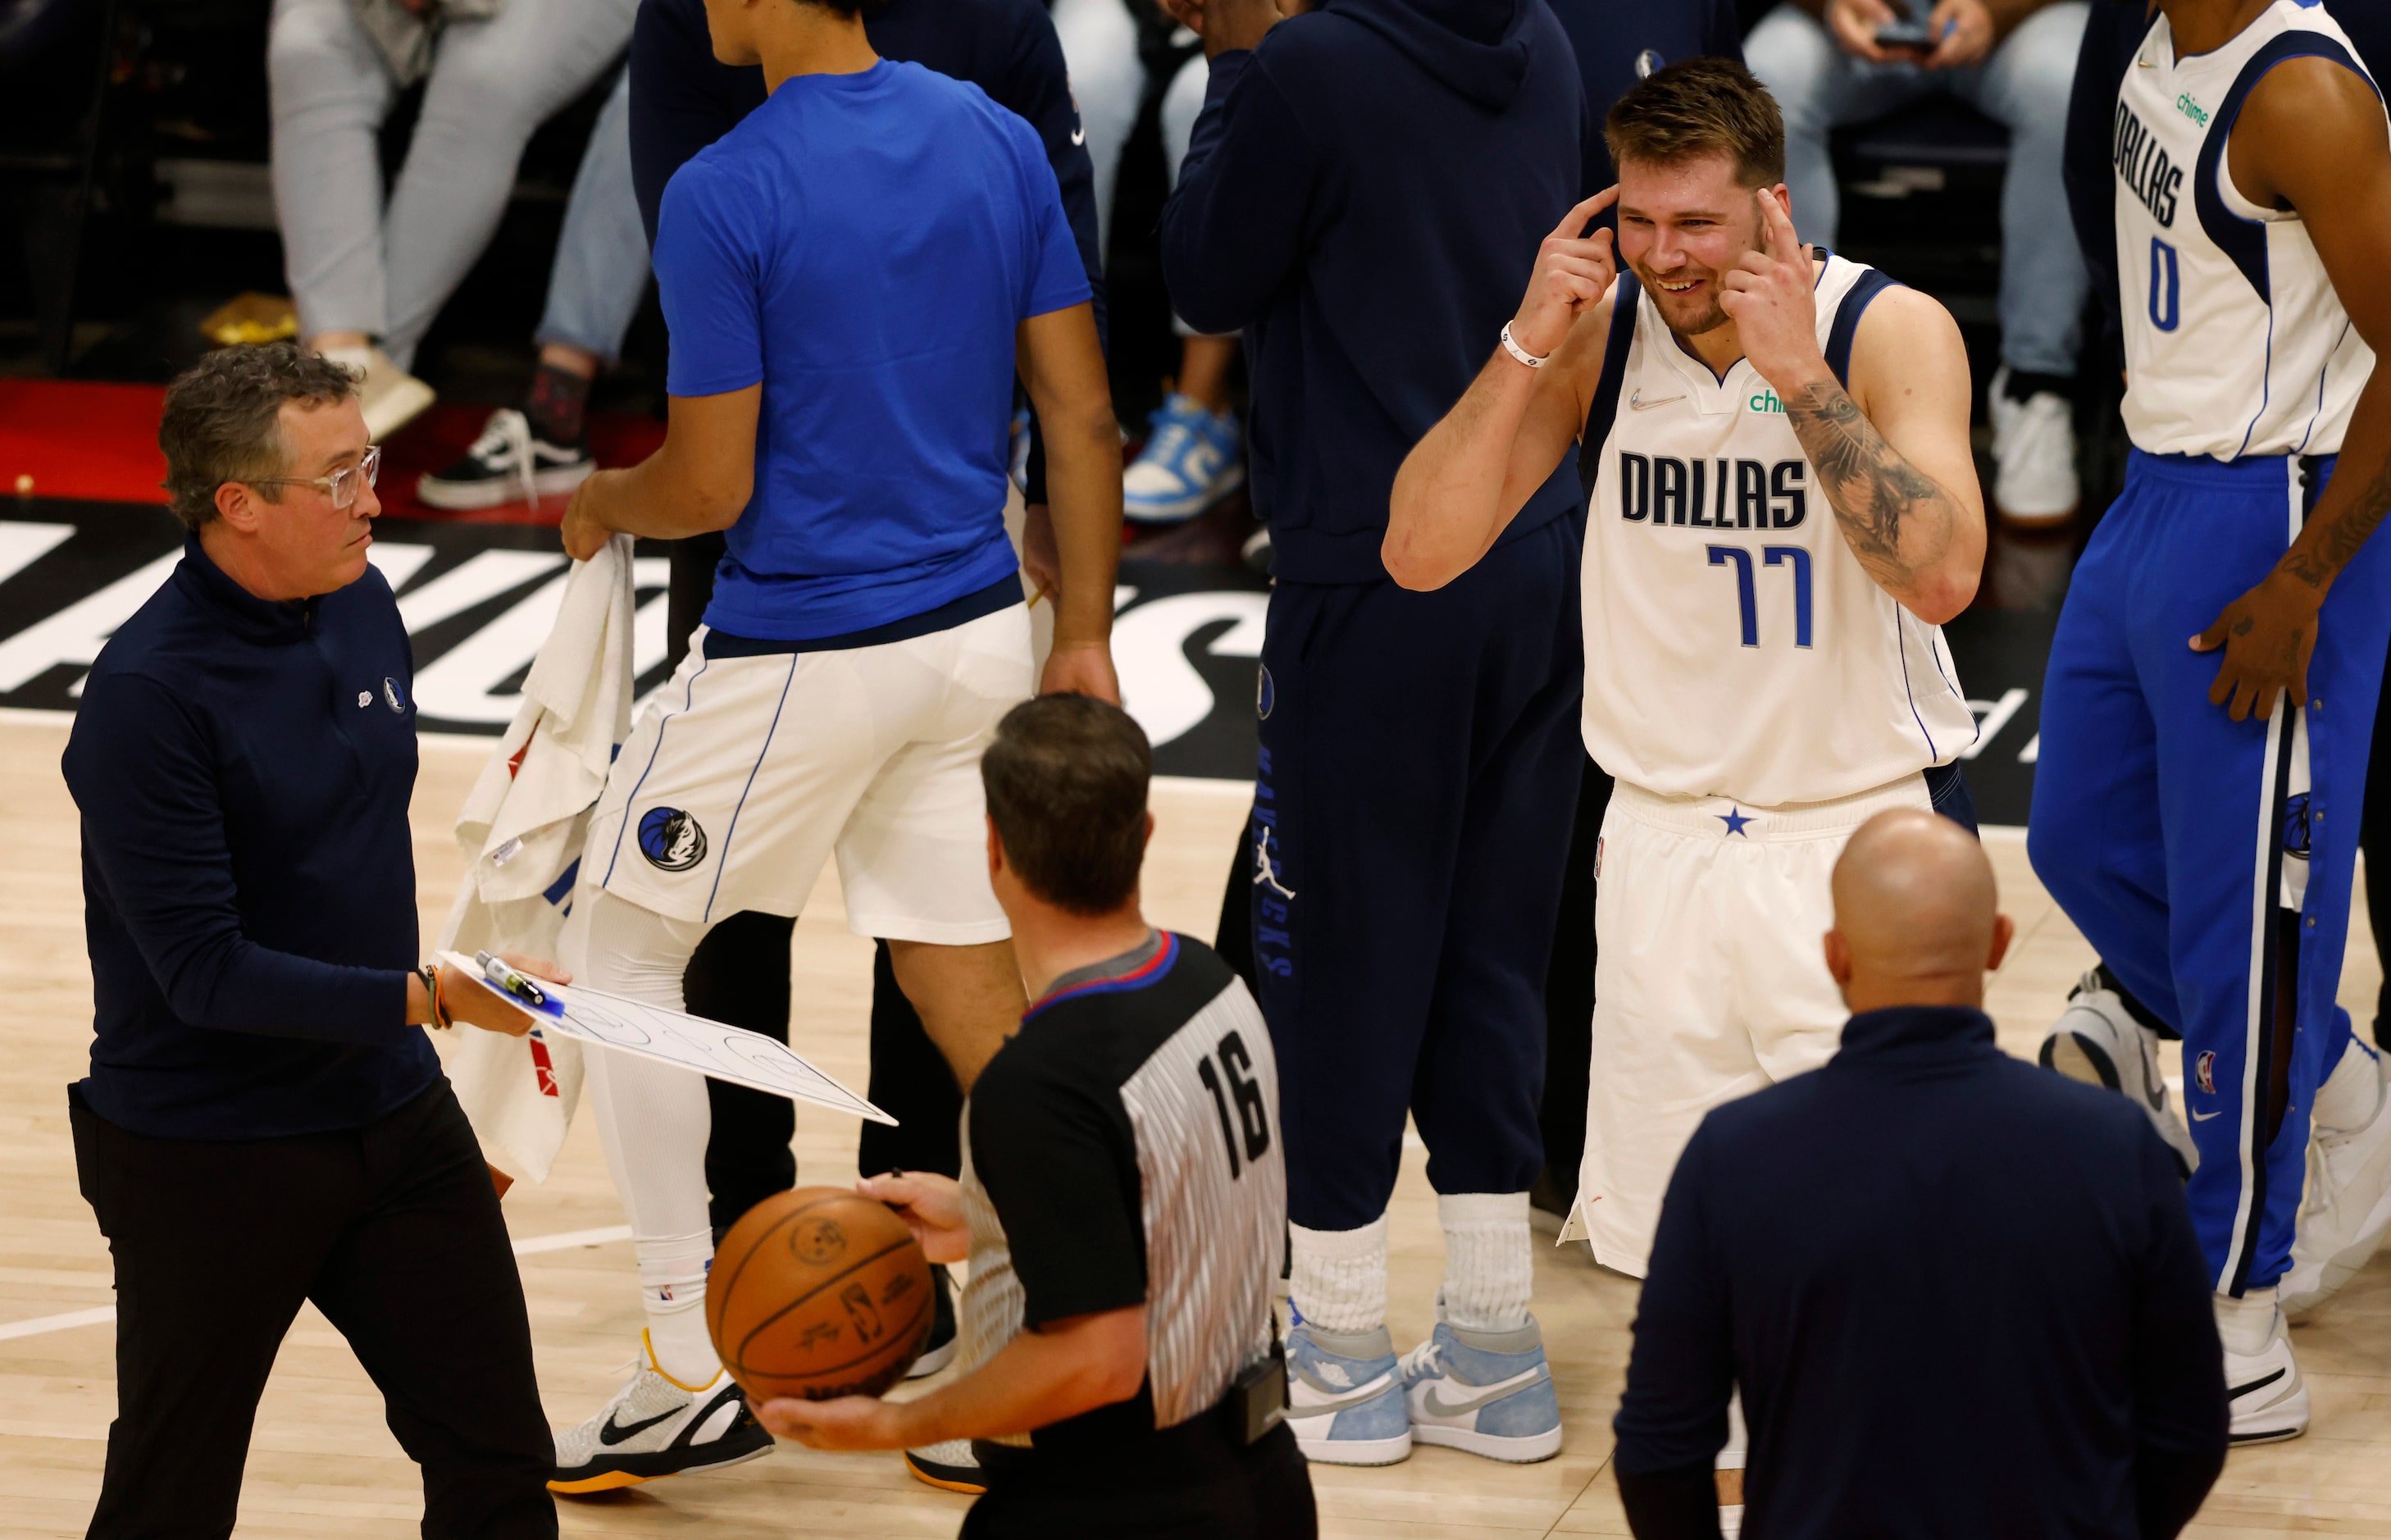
[(1189, 463), (1488, 1392), (1345, 1398)]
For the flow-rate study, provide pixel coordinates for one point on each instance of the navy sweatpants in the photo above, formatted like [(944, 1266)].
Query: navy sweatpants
[(1419, 774), (2162, 826)]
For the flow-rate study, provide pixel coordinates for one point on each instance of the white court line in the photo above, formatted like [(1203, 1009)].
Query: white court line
[(40, 1325)]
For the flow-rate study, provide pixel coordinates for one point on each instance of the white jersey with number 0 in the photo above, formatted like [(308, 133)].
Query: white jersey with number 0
[(2235, 342), (1734, 645)]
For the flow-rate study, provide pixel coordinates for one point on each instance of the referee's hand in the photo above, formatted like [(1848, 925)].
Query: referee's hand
[(931, 1206)]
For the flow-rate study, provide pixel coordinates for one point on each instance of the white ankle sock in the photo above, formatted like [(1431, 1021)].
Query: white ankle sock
[(672, 1286), (1338, 1280), (1488, 1276), (2352, 1093), (2247, 1324)]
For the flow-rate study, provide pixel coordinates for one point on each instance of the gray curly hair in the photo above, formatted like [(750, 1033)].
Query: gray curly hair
[(221, 421)]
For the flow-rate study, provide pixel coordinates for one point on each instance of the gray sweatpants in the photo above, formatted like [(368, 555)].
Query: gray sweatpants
[(354, 264)]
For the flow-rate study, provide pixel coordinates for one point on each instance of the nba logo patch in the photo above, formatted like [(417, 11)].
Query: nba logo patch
[(2204, 1071), (671, 839)]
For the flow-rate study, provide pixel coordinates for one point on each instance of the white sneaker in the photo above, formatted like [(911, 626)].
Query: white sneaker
[(2034, 448), (2098, 1042), (390, 398), (656, 1426), (2347, 1205), (950, 1466), (2270, 1400), (508, 463)]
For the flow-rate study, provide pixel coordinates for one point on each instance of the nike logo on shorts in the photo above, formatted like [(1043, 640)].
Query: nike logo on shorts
[(2203, 1117)]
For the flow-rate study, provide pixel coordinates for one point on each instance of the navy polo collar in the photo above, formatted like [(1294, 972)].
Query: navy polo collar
[(243, 613), (1918, 1036)]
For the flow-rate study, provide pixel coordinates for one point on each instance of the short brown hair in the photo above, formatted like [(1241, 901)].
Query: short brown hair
[(1065, 782), (1701, 106), (223, 419)]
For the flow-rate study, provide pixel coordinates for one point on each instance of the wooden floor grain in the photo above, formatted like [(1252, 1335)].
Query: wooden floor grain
[(323, 1464)]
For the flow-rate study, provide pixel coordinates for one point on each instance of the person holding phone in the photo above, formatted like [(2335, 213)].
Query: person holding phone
[(1832, 62)]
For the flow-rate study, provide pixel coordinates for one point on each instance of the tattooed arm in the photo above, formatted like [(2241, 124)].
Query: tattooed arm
[(2311, 135), (1892, 452)]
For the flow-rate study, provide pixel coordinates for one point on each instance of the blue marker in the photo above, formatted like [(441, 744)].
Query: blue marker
[(516, 985)]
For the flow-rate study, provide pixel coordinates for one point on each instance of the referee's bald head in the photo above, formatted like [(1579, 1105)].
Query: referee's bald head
[(1065, 782)]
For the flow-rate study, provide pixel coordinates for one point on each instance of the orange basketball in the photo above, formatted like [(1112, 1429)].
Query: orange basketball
[(815, 1293)]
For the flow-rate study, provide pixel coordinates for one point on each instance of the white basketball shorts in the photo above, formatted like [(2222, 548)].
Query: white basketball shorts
[(1710, 981), (747, 773)]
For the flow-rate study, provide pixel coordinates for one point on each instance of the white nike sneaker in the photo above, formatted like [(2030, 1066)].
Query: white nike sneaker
[(2348, 1206), (2098, 1042), (2270, 1400), (656, 1426), (387, 395), (1345, 1397), (2034, 450), (1486, 1392)]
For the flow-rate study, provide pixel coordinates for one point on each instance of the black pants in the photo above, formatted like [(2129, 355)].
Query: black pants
[(740, 974), (1193, 1485), (393, 1230)]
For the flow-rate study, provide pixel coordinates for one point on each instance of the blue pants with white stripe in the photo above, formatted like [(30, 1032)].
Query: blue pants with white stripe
[(2161, 826)]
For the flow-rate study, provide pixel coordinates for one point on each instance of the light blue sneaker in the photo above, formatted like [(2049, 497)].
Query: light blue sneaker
[(1345, 1397), (1189, 463), (1487, 1392)]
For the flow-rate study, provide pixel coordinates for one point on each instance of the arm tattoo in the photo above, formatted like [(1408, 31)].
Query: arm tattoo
[(2344, 536), (1872, 489)]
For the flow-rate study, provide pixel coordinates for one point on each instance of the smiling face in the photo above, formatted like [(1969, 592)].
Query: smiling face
[(1682, 225)]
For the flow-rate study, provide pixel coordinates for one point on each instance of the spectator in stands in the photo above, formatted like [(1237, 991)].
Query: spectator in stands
[(594, 288), (1960, 1296), (1194, 454), (1828, 63)]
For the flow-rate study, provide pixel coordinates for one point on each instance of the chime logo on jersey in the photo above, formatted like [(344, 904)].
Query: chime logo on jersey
[(671, 839), (2204, 1071)]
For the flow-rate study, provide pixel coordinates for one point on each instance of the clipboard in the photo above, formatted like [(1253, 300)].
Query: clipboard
[(712, 1048)]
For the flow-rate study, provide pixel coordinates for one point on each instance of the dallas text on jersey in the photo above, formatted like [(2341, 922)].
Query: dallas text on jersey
[(1671, 491), (2143, 163)]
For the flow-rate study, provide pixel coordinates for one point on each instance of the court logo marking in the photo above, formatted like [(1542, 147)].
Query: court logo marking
[(671, 839)]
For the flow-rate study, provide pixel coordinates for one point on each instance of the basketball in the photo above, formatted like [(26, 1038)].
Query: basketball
[(817, 1293)]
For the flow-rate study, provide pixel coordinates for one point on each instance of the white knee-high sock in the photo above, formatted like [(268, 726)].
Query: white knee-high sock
[(1488, 1276), (2247, 1324), (1339, 1279), (2350, 1095), (652, 1120)]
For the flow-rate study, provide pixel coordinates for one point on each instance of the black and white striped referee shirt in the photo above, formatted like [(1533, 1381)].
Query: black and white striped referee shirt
[(1123, 1149)]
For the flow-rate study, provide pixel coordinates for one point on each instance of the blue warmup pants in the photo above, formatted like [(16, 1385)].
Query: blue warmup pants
[(1419, 774), (2161, 826)]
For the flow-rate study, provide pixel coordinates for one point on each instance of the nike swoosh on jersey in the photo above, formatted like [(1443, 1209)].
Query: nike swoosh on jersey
[(615, 1432), (1637, 403), (1436, 1405), (2203, 1117)]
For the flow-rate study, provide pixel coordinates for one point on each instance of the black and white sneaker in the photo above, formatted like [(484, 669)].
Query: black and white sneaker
[(950, 1466), (508, 463), (656, 1426), (940, 1349)]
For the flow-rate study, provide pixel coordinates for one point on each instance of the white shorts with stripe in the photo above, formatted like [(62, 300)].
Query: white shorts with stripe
[(745, 774), (1710, 983)]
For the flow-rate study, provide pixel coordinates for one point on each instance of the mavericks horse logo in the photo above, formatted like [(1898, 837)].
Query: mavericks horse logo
[(671, 839)]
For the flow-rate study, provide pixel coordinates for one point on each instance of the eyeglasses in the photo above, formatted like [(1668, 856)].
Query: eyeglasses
[(342, 484)]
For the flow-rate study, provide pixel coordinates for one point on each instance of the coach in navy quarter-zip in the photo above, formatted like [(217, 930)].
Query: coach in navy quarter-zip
[(264, 1123)]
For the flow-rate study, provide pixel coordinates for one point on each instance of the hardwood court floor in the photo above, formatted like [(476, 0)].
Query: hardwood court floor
[(322, 1463)]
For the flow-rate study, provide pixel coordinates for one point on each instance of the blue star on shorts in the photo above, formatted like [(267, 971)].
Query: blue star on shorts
[(1735, 821)]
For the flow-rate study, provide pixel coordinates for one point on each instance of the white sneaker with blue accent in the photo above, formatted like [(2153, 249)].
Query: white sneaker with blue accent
[(1486, 1392), (1345, 1397), (1190, 463)]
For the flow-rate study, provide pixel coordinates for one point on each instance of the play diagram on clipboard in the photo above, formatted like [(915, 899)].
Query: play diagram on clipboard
[(670, 1037)]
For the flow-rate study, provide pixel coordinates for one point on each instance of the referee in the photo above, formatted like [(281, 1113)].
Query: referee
[(1122, 1203), (264, 1123)]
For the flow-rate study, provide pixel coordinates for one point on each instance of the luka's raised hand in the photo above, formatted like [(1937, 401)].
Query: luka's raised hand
[(1571, 278), (1771, 294)]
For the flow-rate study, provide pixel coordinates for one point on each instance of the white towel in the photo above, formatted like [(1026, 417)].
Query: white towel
[(521, 829)]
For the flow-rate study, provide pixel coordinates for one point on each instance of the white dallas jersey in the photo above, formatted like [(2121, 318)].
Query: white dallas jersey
[(1734, 645), (2235, 342)]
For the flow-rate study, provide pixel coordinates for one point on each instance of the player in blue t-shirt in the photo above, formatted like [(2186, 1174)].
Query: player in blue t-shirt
[(852, 277)]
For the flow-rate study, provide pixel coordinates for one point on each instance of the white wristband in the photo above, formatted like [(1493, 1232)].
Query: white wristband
[(1521, 354)]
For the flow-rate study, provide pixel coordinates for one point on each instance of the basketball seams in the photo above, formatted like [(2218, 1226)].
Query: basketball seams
[(898, 1344)]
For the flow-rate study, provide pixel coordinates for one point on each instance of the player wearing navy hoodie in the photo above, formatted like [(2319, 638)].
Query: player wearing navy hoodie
[(1364, 181)]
